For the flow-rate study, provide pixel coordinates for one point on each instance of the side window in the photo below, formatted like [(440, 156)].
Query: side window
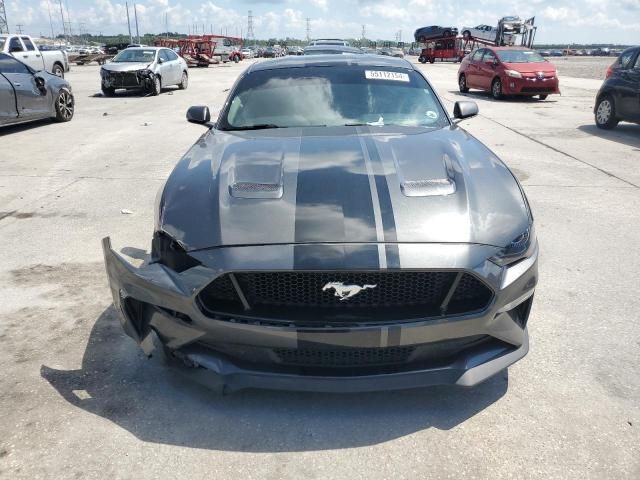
[(637, 64), (28, 43), (163, 55), (625, 59), (15, 45), (489, 56), (11, 65), (226, 42), (477, 55), (172, 55)]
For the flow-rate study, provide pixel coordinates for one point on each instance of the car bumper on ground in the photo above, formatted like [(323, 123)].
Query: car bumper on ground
[(531, 86), (159, 305)]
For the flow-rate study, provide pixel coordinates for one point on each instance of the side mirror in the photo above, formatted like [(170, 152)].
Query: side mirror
[(199, 114), (160, 60), (15, 49), (465, 109)]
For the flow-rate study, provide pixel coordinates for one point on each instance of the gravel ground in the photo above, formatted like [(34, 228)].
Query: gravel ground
[(583, 67)]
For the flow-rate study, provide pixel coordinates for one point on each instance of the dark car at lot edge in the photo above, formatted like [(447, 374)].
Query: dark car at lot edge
[(334, 230), (326, 49), (27, 95), (506, 71), (619, 96), (433, 32)]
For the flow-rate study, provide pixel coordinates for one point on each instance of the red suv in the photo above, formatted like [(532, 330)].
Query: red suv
[(508, 71)]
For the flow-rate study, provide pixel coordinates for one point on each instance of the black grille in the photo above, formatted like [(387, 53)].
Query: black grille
[(124, 79), (537, 89), (310, 296), (351, 357)]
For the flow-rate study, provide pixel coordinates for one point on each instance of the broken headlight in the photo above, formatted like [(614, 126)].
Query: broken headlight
[(523, 246), (168, 251)]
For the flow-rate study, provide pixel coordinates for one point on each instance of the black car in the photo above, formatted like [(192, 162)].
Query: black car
[(334, 229), (619, 96), (331, 50), (269, 52), (433, 32)]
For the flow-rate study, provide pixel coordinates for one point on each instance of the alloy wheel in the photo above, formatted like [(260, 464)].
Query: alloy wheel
[(603, 114), (65, 105)]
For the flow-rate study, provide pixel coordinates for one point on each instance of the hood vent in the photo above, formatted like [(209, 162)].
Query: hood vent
[(427, 188), (256, 190)]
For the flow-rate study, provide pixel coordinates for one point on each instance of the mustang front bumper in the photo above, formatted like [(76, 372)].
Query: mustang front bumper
[(156, 301)]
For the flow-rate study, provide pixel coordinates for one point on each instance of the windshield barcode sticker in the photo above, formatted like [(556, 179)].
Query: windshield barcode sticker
[(382, 75)]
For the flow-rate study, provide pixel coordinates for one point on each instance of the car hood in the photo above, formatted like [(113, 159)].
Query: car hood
[(536, 67), (125, 66), (343, 185)]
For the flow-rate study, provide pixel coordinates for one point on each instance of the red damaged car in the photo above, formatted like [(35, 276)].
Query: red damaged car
[(505, 71)]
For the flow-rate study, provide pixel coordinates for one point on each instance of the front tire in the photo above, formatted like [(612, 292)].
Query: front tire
[(462, 84), (432, 60), (57, 70), (108, 91), (496, 89), (64, 106), (185, 81), (606, 113), (156, 88)]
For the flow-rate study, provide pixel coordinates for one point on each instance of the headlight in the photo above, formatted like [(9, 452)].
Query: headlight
[(519, 248), (513, 74)]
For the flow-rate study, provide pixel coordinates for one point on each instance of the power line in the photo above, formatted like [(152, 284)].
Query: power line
[(308, 29), (129, 23), (19, 28), (135, 13), (4, 25)]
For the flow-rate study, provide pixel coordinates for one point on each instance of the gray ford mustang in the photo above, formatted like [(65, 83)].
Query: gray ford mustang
[(334, 230)]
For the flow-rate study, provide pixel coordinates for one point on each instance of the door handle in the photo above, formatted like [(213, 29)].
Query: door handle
[(25, 56), (18, 84), (38, 55)]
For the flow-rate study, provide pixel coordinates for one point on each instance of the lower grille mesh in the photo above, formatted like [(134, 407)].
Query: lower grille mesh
[(344, 357)]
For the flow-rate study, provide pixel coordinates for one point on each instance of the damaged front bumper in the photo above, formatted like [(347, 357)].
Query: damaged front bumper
[(155, 301), (136, 79)]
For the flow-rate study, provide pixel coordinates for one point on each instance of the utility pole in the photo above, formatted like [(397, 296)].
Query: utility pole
[(308, 29), (53, 36), (135, 14), (129, 24), (364, 31), (64, 25), (4, 25), (19, 28)]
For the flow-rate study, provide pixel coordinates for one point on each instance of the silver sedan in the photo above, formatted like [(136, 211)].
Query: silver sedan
[(144, 68), (27, 95)]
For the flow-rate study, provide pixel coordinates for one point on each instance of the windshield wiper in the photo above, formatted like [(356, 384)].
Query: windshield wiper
[(259, 126)]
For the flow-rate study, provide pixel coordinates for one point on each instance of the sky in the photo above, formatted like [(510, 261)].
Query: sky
[(559, 21)]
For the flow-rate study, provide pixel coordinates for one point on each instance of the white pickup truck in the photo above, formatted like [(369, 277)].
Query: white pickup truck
[(25, 49)]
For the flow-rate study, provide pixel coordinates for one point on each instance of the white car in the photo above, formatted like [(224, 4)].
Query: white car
[(144, 68), (482, 32), (247, 53)]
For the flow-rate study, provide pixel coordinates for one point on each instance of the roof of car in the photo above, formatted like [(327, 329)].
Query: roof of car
[(361, 60)]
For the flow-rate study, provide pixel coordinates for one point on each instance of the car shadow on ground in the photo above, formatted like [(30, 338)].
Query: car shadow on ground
[(23, 127), (160, 405), (134, 93), (480, 95), (625, 133)]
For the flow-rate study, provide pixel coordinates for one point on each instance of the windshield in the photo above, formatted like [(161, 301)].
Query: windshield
[(135, 55), (333, 96), (519, 56)]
